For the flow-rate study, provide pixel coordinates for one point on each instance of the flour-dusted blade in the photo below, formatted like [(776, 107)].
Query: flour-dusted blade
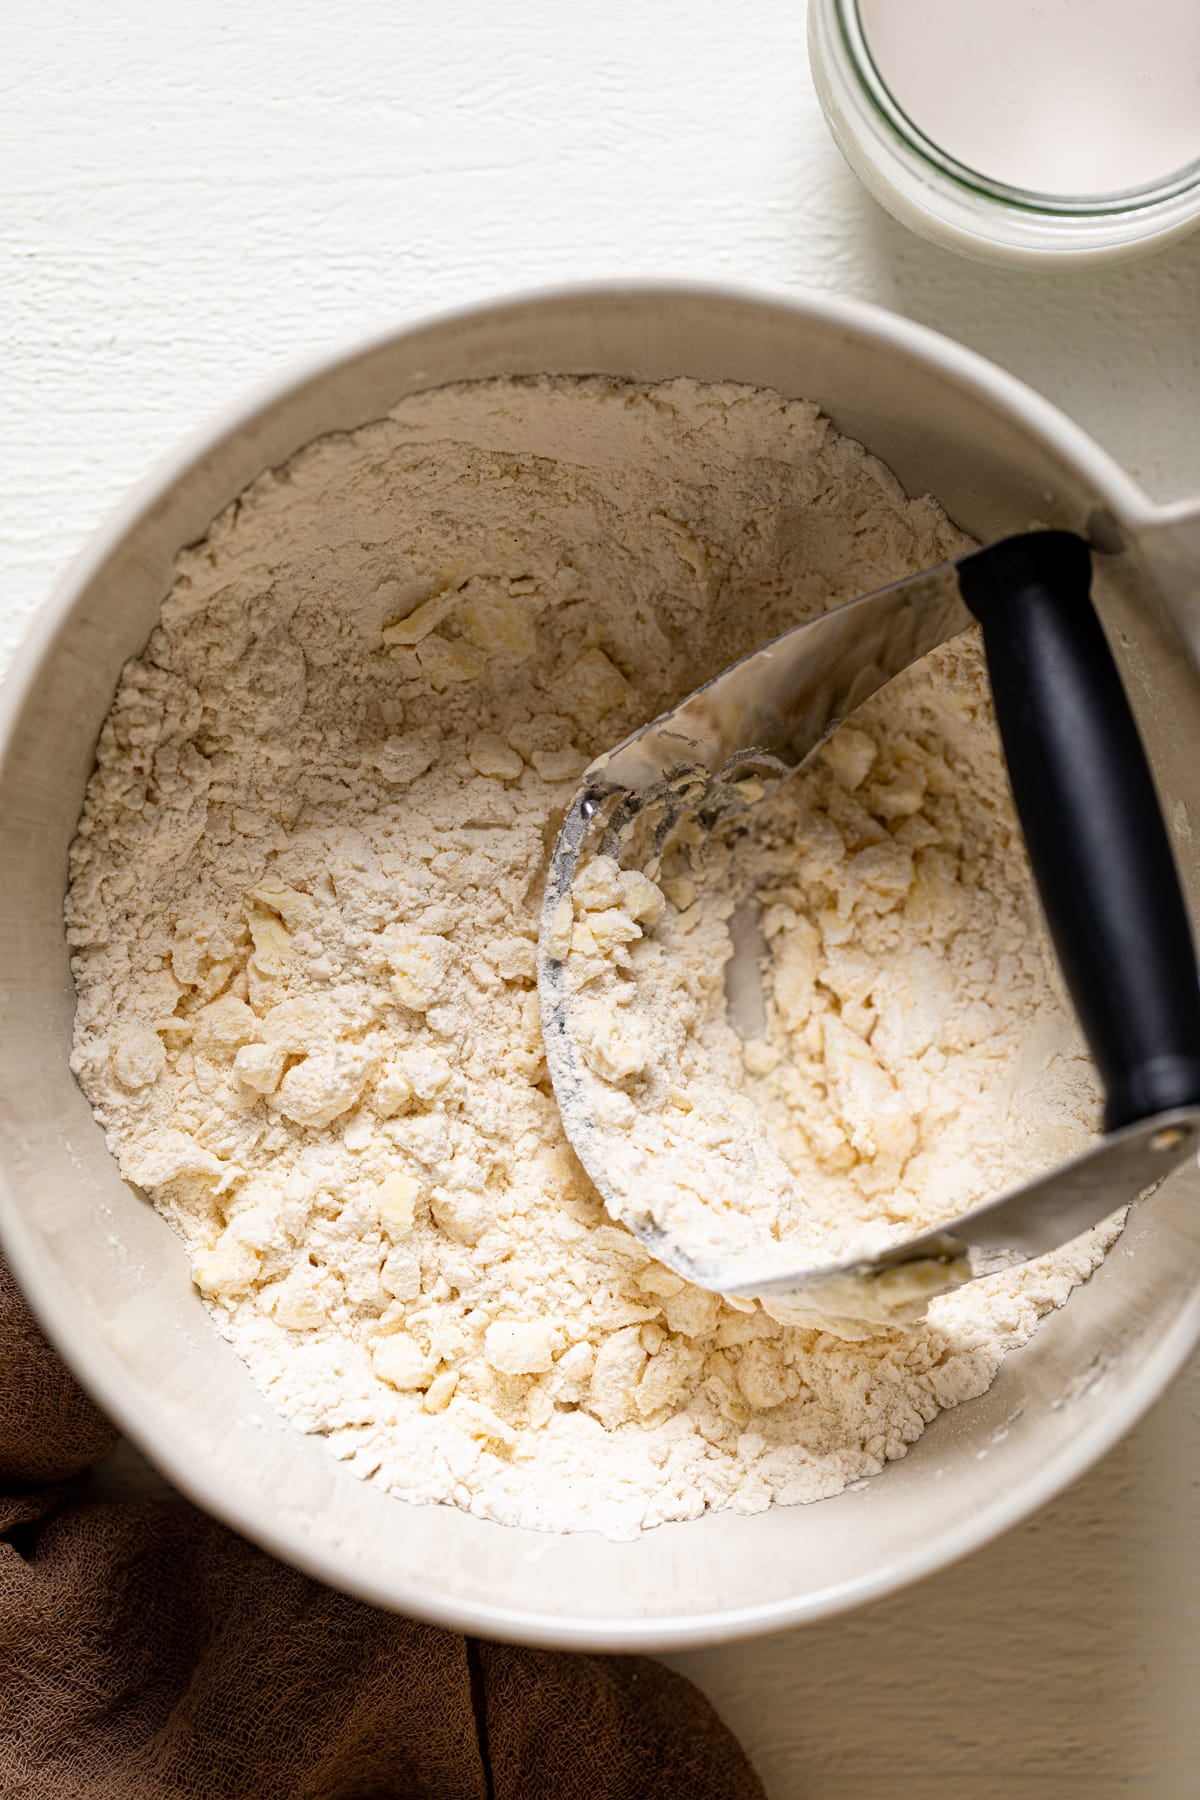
[(689, 1167)]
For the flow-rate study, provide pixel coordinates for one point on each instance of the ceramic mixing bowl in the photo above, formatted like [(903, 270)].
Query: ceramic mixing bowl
[(109, 1280)]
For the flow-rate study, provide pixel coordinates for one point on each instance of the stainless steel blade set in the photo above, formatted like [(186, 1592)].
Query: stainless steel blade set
[(1086, 804)]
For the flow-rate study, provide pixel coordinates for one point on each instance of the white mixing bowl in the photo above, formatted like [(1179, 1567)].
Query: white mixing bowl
[(109, 1280)]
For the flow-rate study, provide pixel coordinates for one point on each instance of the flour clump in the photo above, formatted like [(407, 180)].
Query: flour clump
[(303, 915)]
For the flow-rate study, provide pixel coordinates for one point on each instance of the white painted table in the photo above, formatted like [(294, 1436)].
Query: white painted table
[(192, 196)]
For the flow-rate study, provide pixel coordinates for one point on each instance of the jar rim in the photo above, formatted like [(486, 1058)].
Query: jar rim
[(974, 181)]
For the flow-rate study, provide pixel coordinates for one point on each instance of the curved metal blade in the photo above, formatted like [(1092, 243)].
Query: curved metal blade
[(762, 718)]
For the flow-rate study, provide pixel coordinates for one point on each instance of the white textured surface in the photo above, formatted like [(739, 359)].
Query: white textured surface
[(193, 197)]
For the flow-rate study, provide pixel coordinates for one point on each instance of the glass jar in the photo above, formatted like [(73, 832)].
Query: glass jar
[(943, 200)]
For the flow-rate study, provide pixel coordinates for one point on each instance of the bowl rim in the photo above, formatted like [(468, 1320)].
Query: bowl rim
[(82, 1343)]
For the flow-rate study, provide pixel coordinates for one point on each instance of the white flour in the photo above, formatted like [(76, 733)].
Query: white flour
[(304, 906)]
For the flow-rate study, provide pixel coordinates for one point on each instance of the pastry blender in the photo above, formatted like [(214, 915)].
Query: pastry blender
[(1099, 850)]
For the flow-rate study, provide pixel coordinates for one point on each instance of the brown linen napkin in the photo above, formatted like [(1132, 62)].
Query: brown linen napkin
[(146, 1653)]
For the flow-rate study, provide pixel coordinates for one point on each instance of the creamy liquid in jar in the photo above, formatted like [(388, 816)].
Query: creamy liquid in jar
[(1058, 97)]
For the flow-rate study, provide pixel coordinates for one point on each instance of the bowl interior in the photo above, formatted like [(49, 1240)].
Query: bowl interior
[(109, 1279)]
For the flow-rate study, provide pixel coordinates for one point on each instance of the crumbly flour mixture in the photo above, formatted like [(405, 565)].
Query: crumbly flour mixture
[(304, 905), (915, 1055)]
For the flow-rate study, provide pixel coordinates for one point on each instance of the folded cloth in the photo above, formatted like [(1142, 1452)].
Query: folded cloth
[(146, 1653)]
